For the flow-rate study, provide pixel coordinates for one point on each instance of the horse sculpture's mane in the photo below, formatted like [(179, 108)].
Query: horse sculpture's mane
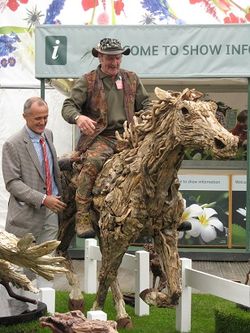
[(146, 142), (146, 121), (153, 120)]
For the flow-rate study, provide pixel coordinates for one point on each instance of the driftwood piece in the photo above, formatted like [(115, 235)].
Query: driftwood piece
[(76, 322), (156, 267), (16, 296), (22, 252), (76, 299)]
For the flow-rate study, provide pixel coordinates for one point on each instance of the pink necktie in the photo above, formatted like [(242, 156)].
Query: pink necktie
[(46, 167)]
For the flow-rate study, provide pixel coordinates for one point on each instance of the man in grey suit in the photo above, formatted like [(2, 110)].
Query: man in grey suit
[(32, 207)]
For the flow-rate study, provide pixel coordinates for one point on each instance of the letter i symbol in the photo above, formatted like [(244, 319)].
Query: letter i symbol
[(55, 50)]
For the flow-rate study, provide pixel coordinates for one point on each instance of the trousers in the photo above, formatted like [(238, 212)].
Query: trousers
[(92, 162)]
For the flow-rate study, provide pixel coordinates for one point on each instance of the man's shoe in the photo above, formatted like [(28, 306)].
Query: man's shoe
[(84, 228), (185, 226)]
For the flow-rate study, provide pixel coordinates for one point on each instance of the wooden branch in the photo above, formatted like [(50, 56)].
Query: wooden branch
[(23, 252), (16, 296), (76, 322)]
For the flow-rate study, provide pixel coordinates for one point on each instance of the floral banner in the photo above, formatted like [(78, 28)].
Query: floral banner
[(18, 19)]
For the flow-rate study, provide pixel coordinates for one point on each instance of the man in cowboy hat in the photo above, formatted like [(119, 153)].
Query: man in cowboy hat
[(99, 103)]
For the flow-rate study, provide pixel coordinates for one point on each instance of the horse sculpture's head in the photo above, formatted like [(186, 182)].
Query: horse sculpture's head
[(194, 124)]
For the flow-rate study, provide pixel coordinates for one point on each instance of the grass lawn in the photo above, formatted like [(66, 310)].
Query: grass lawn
[(159, 320)]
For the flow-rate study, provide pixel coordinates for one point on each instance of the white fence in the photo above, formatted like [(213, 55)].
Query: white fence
[(139, 263), (191, 278)]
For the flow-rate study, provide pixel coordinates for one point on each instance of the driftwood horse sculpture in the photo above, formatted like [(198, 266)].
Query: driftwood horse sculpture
[(137, 190)]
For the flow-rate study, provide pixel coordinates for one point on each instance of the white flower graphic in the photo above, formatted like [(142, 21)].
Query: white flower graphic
[(243, 212), (204, 223), (190, 214), (25, 53), (207, 225)]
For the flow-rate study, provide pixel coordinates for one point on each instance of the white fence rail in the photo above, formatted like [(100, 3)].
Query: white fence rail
[(139, 263), (191, 278)]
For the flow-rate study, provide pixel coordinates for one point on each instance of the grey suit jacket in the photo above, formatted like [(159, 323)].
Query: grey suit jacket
[(24, 181)]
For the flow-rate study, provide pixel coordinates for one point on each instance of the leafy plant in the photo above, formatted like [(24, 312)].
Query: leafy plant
[(239, 235)]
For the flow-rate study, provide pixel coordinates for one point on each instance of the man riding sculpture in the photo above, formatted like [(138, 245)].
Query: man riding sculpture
[(99, 103)]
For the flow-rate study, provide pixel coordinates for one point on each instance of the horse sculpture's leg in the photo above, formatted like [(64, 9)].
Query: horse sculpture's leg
[(108, 278), (107, 275), (67, 217), (114, 244), (166, 247), (66, 234), (122, 318)]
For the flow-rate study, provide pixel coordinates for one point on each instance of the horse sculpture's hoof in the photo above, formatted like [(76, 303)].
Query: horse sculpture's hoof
[(76, 304), (159, 299), (124, 323)]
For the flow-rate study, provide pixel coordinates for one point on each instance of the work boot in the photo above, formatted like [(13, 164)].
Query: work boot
[(185, 226), (83, 227)]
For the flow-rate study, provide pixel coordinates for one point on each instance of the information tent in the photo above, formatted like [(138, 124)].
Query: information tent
[(157, 51)]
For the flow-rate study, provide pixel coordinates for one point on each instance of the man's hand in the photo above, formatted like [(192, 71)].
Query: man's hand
[(54, 203), (86, 125)]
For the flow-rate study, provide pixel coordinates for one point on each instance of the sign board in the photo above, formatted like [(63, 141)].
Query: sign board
[(239, 211), (157, 51), (209, 192), (203, 183)]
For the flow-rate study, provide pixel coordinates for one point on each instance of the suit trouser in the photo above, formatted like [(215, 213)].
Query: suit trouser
[(49, 232)]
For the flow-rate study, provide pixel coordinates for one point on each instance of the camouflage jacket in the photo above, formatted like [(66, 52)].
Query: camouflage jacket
[(95, 104)]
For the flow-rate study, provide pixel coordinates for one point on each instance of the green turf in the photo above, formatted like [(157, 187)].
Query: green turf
[(159, 320)]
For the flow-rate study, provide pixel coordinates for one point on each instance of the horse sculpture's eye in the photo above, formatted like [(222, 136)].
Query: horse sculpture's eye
[(184, 111)]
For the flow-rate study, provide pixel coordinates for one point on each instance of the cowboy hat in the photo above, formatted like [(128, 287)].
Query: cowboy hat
[(110, 46)]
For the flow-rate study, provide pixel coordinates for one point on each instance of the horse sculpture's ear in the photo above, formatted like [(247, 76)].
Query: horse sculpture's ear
[(191, 94), (163, 95)]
